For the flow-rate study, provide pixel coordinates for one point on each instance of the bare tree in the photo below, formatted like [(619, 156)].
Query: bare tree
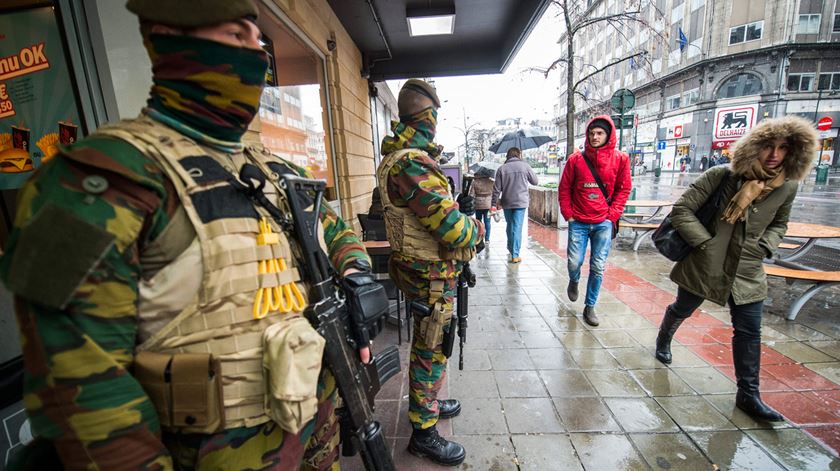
[(480, 141), (577, 17)]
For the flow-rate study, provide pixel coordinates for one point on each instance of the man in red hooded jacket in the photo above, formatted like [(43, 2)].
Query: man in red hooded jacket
[(592, 209)]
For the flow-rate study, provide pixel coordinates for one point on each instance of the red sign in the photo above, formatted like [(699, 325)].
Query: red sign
[(825, 123), (678, 131), (721, 144)]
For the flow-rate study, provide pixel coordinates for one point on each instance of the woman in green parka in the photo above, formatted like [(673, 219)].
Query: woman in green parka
[(725, 264)]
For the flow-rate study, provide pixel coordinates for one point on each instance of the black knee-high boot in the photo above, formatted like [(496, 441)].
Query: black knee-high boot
[(667, 329), (746, 354)]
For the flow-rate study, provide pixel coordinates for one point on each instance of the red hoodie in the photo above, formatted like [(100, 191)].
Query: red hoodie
[(579, 195)]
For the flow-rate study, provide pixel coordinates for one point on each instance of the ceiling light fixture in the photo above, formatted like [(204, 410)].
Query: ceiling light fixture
[(430, 21)]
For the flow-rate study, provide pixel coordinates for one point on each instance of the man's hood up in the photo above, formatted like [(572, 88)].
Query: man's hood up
[(611, 140)]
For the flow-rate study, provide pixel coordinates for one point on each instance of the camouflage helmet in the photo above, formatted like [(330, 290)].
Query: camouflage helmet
[(192, 13)]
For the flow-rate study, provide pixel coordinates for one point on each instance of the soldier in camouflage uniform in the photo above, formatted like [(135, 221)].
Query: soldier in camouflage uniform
[(431, 237), (112, 221)]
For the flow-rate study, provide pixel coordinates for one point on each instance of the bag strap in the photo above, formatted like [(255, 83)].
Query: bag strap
[(597, 179)]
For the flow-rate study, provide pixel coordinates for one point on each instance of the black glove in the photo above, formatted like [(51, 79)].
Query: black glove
[(466, 204), (367, 305), (480, 247)]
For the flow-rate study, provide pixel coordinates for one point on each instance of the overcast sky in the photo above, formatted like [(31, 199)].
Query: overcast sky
[(514, 94)]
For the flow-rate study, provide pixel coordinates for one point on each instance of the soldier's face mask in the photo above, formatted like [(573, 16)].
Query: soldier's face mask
[(212, 87)]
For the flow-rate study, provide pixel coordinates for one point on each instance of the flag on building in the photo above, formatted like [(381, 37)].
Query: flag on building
[(682, 41)]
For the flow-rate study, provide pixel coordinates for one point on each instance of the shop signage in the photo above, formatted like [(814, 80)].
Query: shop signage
[(721, 144), (732, 123), (678, 131), (660, 145), (38, 109), (824, 124)]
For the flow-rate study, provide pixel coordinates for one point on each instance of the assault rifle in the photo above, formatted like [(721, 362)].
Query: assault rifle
[(466, 280), (331, 316)]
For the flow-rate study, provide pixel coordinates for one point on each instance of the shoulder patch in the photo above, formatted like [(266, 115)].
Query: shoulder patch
[(117, 156), (67, 257)]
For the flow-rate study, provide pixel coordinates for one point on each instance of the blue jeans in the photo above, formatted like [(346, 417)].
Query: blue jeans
[(579, 235), (483, 215), (515, 218)]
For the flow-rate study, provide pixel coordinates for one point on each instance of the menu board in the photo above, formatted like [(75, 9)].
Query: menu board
[(38, 107)]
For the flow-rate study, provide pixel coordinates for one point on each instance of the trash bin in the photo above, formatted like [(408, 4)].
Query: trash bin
[(822, 174), (657, 171)]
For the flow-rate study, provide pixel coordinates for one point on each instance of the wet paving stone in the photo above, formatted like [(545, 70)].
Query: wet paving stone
[(725, 404), (470, 384), (635, 358), (551, 359), (706, 380), (828, 370), (614, 338), (614, 383), (734, 450), (802, 353), (641, 415), (542, 339), (670, 451), (480, 417), (662, 382), (831, 348), (585, 414), (592, 359), (591, 449), (545, 452), (567, 383), (534, 415), (579, 339), (794, 449), (510, 359), (693, 413), (520, 384)]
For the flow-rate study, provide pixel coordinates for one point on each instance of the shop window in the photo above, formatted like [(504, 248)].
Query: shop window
[(800, 82), (829, 81), (294, 122), (746, 33), (836, 27), (740, 85), (809, 24)]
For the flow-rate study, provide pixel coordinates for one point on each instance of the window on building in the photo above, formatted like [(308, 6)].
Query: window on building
[(672, 103), (836, 27), (293, 103), (747, 32), (800, 82), (829, 81), (691, 97), (740, 85), (809, 24)]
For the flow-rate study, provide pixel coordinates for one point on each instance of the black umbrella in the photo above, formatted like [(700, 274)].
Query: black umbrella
[(523, 139), (485, 169)]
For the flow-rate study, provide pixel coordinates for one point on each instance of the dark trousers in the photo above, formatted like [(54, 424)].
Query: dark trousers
[(746, 340), (746, 318)]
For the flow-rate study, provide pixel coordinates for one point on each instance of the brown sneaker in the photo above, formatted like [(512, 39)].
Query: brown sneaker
[(515, 260), (589, 316)]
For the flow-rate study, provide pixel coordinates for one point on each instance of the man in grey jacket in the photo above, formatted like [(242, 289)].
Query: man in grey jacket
[(510, 192)]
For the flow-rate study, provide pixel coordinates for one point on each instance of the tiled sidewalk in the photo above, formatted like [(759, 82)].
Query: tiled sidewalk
[(541, 390)]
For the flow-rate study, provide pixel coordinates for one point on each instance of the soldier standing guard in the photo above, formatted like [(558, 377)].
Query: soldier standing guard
[(154, 295), (431, 237)]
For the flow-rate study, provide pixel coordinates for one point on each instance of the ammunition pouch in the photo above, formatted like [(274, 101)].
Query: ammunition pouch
[(185, 388), (292, 352), (367, 304)]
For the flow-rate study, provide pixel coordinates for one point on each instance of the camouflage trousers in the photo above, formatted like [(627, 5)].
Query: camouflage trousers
[(266, 446), (426, 373)]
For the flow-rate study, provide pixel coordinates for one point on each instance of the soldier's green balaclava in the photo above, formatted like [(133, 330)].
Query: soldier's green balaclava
[(206, 87), (416, 131)]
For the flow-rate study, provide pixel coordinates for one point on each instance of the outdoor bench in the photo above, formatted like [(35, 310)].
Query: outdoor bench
[(640, 230), (820, 279)]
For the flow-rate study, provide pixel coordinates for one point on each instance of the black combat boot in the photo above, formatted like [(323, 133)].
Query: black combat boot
[(572, 291), (449, 408), (429, 444), (747, 357), (667, 329)]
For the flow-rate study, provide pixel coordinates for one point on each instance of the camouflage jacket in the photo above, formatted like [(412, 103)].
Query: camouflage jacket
[(417, 182), (78, 390)]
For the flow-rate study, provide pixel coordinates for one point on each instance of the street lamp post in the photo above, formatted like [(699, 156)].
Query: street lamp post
[(819, 97)]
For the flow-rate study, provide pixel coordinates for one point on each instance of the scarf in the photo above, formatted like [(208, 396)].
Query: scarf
[(760, 182), (208, 90), (415, 131)]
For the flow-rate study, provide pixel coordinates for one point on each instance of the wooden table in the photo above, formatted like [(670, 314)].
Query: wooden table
[(812, 232), (659, 205)]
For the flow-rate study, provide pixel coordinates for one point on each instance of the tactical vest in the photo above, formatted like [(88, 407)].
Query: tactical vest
[(217, 317), (406, 234)]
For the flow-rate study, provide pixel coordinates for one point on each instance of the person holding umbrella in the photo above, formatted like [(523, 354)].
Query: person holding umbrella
[(510, 192)]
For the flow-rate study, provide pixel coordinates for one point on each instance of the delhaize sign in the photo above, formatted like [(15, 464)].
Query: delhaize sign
[(732, 123), (38, 108)]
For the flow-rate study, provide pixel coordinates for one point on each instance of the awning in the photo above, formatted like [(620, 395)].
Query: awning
[(487, 35)]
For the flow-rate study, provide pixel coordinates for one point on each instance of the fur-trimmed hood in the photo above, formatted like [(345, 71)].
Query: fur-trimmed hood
[(802, 145)]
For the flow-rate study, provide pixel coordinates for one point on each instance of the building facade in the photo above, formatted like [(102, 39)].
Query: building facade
[(713, 69)]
